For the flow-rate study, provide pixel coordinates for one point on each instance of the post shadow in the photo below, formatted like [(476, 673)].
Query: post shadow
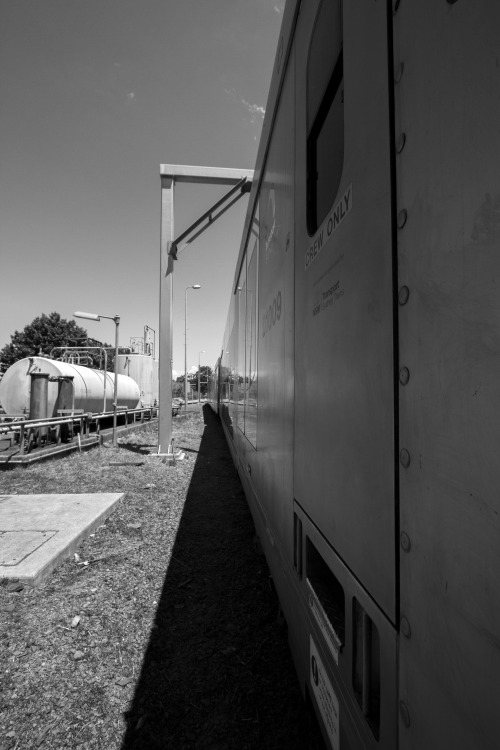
[(217, 672)]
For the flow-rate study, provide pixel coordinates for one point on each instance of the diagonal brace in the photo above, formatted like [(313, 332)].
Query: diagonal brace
[(210, 216)]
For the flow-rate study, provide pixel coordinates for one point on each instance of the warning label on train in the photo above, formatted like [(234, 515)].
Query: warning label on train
[(329, 226), (324, 297), (326, 699)]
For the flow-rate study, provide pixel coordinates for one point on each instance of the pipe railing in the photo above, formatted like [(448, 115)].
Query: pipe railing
[(26, 429)]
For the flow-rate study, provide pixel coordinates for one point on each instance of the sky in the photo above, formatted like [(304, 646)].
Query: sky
[(94, 96)]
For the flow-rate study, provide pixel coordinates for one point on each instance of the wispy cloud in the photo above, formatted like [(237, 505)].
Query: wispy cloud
[(131, 95), (255, 111)]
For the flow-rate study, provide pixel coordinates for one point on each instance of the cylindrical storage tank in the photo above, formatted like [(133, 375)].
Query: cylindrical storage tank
[(92, 388), (144, 370)]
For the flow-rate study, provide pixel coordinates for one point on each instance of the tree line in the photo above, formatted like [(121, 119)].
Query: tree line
[(45, 333)]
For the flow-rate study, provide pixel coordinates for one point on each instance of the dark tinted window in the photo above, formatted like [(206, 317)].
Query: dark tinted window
[(325, 113)]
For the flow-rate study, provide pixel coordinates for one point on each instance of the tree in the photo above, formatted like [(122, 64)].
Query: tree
[(42, 335), (177, 389), (205, 373)]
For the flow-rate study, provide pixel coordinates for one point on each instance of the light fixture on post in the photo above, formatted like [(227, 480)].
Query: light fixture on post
[(149, 348), (199, 365), (116, 320), (192, 286)]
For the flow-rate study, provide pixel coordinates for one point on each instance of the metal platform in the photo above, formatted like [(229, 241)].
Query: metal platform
[(10, 454)]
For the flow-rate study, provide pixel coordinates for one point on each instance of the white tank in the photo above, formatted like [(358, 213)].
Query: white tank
[(144, 370), (93, 389)]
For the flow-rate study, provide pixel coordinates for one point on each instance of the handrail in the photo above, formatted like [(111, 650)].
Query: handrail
[(27, 428), (16, 426)]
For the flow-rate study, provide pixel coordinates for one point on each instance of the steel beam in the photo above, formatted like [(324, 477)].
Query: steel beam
[(170, 174), (205, 175)]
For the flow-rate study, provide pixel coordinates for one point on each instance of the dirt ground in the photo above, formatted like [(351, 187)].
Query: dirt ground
[(164, 631)]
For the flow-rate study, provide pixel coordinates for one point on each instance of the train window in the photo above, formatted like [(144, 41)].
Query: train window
[(325, 113), (246, 296), (241, 365), (226, 371), (366, 666), (251, 342)]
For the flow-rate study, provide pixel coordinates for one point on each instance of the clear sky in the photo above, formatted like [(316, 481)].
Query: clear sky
[(94, 96)]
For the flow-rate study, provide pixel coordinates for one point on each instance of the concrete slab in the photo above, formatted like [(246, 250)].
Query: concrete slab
[(38, 531)]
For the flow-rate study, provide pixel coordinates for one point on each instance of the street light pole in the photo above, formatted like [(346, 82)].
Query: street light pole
[(192, 286), (116, 320), (199, 365)]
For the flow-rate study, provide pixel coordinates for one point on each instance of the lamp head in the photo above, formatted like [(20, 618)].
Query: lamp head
[(86, 315)]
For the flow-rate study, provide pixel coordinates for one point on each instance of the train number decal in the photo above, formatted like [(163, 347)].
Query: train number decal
[(272, 315)]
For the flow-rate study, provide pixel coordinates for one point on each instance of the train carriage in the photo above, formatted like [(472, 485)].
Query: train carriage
[(358, 381)]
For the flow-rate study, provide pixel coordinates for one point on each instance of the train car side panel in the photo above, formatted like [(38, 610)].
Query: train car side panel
[(257, 360), (448, 177), (370, 461), (345, 518), (271, 464), (344, 407)]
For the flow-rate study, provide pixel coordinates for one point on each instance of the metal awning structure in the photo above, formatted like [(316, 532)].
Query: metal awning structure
[(240, 181), (215, 212)]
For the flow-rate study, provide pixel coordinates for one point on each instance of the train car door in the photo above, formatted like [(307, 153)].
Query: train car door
[(344, 467), (344, 390)]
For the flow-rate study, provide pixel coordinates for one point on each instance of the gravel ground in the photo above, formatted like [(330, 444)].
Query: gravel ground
[(165, 630)]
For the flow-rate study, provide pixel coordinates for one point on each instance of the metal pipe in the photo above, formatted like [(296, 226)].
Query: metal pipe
[(193, 286), (39, 398), (115, 392)]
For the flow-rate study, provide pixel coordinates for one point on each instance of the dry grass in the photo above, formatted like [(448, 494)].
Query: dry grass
[(179, 642)]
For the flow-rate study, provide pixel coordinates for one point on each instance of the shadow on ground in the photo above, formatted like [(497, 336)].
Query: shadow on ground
[(217, 672)]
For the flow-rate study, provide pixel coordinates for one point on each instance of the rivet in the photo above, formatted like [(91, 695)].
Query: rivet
[(404, 626), (399, 72), (405, 541), (404, 376), (402, 217), (400, 143), (404, 295), (404, 713), (404, 457)]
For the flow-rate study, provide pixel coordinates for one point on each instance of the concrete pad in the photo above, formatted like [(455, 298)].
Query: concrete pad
[(38, 531)]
